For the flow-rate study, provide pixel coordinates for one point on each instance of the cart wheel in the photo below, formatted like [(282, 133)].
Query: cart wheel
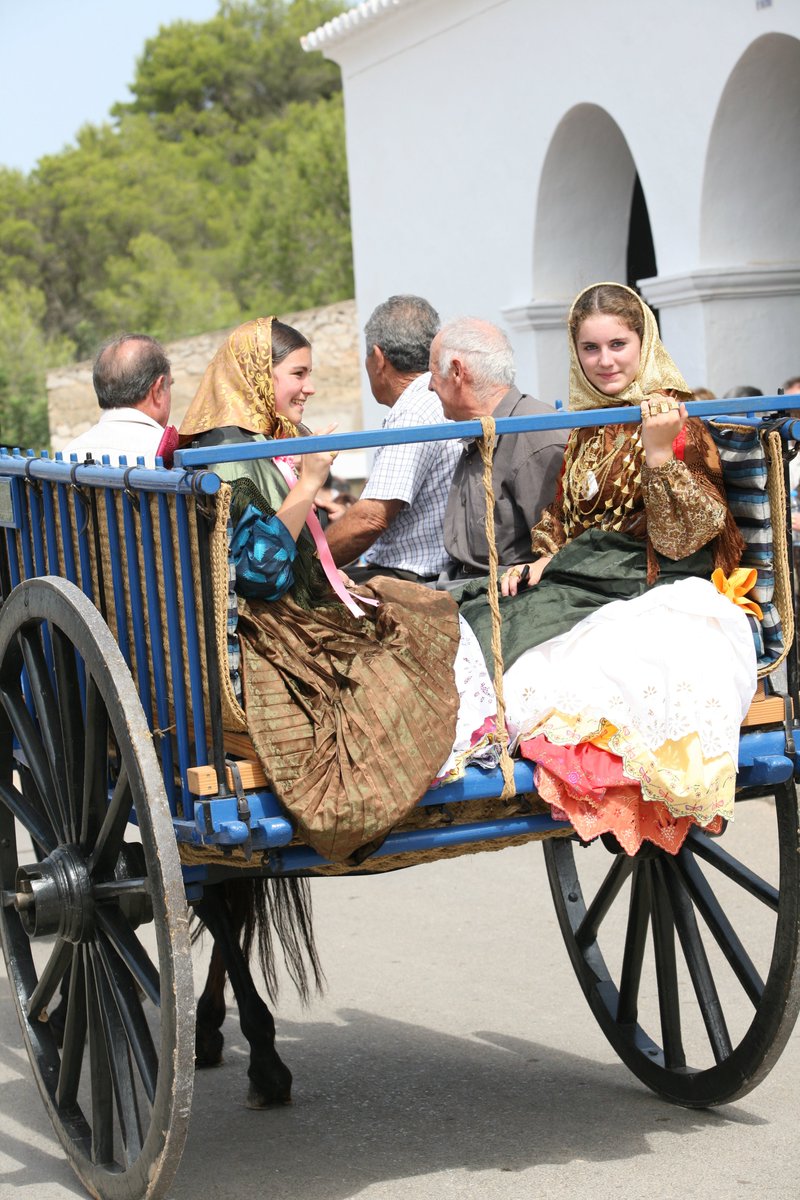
[(701, 1018), (102, 914)]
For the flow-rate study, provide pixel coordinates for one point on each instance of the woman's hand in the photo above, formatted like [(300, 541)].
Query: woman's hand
[(313, 471), (518, 577), (315, 468), (662, 420)]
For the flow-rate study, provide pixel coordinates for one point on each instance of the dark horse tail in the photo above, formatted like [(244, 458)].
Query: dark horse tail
[(267, 910)]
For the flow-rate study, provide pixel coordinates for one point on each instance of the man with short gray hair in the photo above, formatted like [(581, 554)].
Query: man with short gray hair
[(133, 382), (472, 372), (397, 522)]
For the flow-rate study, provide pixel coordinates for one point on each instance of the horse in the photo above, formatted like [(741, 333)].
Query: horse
[(243, 915)]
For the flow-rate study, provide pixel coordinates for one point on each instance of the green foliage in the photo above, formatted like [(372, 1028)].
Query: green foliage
[(149, 290), (24, 359), (96, 200), (218, 191), (296, 250), (244, 65), (20, 240)]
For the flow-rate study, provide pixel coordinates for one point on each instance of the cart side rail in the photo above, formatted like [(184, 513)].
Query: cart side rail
[(133, 541)]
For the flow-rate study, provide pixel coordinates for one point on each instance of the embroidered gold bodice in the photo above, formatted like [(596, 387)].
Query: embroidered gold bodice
[(606, 484), (602, 478)]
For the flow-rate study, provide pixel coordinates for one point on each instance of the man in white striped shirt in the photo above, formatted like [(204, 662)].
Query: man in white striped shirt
[(397, 523)]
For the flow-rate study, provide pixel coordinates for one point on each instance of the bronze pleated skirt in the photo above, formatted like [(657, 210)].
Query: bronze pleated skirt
[(351, 719)]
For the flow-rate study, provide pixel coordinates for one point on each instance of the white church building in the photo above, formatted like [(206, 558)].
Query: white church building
[(505, 153)]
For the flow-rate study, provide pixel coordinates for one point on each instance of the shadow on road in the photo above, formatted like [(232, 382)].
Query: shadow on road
[(378, 1099)]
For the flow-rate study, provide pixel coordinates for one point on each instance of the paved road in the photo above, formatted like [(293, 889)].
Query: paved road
[(453, 1056)]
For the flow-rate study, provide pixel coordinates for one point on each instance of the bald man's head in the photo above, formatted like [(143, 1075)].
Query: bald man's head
[(126, 368)]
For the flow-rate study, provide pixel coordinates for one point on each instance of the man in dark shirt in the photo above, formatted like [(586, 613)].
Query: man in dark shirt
[(472, 372)]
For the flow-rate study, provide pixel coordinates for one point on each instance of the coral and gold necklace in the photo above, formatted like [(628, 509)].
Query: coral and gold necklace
[(588, 478)]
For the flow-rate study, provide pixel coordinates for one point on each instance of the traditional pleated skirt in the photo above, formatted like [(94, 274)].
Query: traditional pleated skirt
[(351, 719)]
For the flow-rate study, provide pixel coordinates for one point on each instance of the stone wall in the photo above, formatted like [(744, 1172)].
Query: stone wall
[(333, 332)]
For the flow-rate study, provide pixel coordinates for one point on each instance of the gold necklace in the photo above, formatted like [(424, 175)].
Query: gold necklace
[(587, 479)]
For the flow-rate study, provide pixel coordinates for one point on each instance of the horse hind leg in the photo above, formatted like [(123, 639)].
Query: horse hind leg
[(208, 1040), (270, 1078)]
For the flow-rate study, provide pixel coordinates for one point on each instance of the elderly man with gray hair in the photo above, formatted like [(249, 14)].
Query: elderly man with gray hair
[(397, 522), (472, 373)]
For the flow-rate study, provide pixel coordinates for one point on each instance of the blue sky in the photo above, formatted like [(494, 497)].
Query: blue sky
[(65, 62)]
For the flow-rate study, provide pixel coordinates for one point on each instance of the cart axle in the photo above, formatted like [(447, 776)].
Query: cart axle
[(54, 896)]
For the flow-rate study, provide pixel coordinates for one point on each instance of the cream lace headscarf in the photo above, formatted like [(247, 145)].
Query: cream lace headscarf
[(657, 372)]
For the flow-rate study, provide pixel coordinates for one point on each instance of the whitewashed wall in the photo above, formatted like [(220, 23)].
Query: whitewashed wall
[(493, 144)]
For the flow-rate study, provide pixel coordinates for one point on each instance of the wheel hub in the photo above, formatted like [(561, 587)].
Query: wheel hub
[(54, 896)]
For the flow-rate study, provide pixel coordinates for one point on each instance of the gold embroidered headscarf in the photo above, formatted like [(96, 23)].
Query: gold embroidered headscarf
[(238, 388), (657, 372)]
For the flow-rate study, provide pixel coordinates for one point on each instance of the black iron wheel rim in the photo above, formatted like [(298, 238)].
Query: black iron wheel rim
[(119, 1089), (673, 914)]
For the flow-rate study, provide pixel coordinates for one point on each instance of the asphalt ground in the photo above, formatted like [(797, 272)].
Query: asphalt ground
[(452, 1056)]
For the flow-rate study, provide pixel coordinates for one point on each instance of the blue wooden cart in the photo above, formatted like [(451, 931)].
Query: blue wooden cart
[(125, 764)]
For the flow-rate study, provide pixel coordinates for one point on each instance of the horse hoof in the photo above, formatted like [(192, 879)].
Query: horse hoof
[(256, 1099), (204, 1064), (271, 1090), (208, 1050)]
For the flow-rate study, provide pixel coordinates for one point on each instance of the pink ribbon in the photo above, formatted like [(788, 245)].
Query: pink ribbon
[(286, 468)]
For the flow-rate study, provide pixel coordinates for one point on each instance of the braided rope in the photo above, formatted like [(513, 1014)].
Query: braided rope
[(782, 550), (486, 446)]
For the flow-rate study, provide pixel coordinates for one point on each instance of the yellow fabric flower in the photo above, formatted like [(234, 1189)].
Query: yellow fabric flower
[(736, 587)]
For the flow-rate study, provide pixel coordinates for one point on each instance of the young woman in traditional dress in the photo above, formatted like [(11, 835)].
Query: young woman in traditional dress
[(627, 673), (351, 697)]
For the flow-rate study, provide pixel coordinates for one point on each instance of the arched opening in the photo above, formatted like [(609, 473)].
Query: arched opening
[(591, 215), (641, 257), (591, 224), (752, 175), (748, 284)]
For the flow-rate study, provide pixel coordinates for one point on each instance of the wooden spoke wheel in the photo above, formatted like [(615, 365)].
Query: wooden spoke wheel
[(690, 962), (94, 920)]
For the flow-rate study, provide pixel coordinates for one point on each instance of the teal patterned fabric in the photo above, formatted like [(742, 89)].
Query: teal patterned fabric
[(263, 551), (260, 557)]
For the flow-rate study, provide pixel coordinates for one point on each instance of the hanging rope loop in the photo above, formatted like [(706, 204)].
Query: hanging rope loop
[(486, 445)]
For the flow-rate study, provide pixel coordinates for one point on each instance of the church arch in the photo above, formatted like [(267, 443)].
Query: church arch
[(751, 182), (591, 213)]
